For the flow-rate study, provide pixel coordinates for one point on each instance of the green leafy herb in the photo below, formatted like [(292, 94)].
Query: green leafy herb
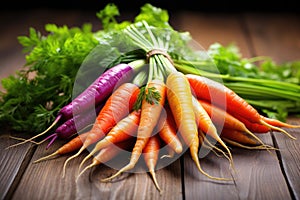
[(151, 96), (51, 66)]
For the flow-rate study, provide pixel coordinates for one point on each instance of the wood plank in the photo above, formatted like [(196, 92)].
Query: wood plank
[(209, 28), (51, 185), (278, 36), (257, 176), (290, 156), (275, 35), (13, 162)]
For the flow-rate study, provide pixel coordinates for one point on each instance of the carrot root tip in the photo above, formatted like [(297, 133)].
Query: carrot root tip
[(258, 147), (54, 136), (155, 180), (277, 129), (84, 170), (38, 135), (229, 153), (70, 158), (21, 139), (84, 160), (46, 157), (127, 167), (196, 160)]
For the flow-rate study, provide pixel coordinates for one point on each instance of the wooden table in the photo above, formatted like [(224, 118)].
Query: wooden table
[(259, 174)]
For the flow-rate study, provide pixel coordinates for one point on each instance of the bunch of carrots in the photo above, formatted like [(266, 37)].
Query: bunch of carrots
[(148, 104)]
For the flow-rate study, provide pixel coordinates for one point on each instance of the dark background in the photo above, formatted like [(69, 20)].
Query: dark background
[(171, 6)]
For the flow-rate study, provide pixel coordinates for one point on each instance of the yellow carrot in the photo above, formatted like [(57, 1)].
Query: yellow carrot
[(180, 100)]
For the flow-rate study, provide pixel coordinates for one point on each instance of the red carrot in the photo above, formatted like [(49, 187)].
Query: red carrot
[(238, 136)]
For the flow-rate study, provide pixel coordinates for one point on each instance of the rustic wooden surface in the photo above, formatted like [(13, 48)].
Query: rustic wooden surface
[(259, 174)]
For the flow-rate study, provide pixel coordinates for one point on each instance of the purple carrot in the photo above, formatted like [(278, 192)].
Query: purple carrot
[(73, 125), (96, 93), (99, 90)]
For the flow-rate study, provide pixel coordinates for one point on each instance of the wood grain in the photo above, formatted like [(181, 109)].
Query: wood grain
[(13, 162), (209, 28), (257, 175), (44, 181), (290, 155), (275, 35)]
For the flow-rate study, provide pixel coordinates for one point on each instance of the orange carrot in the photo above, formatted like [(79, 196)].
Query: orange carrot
[(71, 146), (221, 117), (254, 127), (168, 131), (150, 114), (180, 100), (205, 123), (108, 153), (238, 136), (278, 123), (150, 154), (116, 107), (205, 88), (243, 140), (123, 130)]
